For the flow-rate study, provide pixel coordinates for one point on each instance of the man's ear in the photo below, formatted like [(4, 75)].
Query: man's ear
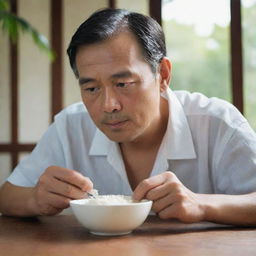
[(165, 73)]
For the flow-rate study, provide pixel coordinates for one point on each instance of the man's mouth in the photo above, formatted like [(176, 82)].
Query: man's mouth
[(116, 124)]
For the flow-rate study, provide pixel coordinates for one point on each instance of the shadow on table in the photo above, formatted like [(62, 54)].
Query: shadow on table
[(66, 228)]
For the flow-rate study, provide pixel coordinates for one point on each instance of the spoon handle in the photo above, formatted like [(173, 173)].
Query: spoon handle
[(90, 195)]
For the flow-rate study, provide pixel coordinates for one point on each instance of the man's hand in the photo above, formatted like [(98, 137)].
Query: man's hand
[(171, 199), (56, 187)]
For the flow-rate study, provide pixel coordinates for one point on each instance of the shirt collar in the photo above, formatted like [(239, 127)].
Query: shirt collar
[(177, 142), (102, 146)]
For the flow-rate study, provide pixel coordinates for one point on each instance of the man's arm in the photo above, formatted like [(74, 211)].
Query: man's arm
[(171, 199), (230, 209), (17, 201), (53, 192)]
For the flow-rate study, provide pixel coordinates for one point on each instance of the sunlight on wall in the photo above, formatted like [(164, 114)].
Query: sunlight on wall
[(33, 74)]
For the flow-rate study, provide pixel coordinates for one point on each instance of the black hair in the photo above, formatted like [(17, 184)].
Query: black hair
[(108, 22)]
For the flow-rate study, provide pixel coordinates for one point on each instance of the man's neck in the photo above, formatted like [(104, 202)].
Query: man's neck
[(139, 156), (154, 137)]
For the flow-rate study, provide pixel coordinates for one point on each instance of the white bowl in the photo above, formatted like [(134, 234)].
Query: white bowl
[(111, 219)]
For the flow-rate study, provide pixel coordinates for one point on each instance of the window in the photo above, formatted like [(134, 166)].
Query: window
[(249, 53), (197, 38)]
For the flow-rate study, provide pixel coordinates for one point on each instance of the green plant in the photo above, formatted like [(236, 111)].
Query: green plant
[(12, 25)]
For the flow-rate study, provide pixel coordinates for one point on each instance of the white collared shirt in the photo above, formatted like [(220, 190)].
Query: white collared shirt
[(208, 144)]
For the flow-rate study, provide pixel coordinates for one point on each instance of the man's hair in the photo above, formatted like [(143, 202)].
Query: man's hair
[(107, 23)]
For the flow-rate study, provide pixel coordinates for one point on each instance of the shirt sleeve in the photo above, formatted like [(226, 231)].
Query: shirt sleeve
[(236, 170), (48, 152)]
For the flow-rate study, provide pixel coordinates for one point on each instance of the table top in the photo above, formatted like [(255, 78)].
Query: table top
[(63, 235)]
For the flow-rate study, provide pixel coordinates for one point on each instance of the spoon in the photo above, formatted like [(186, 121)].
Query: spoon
[(90, 195)]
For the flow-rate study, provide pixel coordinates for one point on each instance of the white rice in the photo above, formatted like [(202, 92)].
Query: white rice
[(110, 200)]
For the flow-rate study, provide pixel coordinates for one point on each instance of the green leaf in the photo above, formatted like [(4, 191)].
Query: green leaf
[(9, 25), (4, 5), (43, 43), (13, 24)]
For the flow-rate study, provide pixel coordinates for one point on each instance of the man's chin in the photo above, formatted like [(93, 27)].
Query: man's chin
[(120, 137)]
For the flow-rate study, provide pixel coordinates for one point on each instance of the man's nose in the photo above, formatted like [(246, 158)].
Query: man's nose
[(111, 102)]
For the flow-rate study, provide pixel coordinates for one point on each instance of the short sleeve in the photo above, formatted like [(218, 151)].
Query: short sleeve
[(236, 171), (48, 152)]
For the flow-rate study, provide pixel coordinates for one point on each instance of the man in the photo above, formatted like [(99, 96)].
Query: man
[(193, 156)]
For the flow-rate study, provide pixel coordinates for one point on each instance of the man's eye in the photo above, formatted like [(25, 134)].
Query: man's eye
[(121, 84), (91, 89), (124, 84)]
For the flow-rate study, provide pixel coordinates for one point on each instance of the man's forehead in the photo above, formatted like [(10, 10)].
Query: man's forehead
[(100, 59), (120, 47)]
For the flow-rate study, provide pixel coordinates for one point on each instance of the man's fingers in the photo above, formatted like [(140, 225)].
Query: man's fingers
[(58, 201), (171, 185), (146, 185), (65, 189), (162, 203), (55, 204), (71, 177), (158, 192), (57, 186)]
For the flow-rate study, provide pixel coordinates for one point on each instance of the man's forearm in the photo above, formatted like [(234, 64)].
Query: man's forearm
[(230, 209), (17, 201)]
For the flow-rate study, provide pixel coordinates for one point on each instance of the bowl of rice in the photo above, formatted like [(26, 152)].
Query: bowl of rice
[(110, 215)]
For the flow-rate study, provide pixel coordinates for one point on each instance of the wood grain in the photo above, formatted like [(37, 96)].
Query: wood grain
[(63, 235)]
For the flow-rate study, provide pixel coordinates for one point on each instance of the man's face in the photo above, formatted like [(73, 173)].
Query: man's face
[(118, 88)]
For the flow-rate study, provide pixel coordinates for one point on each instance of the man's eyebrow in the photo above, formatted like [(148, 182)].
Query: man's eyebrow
[(84, 80), (122, 74)]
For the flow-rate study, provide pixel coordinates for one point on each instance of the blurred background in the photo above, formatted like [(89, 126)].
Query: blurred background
[(211, 43)]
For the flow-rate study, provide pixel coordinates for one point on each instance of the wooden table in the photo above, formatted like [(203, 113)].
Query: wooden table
[(63, 235)]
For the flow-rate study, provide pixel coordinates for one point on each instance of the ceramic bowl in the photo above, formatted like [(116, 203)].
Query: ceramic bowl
[(110, 219)]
